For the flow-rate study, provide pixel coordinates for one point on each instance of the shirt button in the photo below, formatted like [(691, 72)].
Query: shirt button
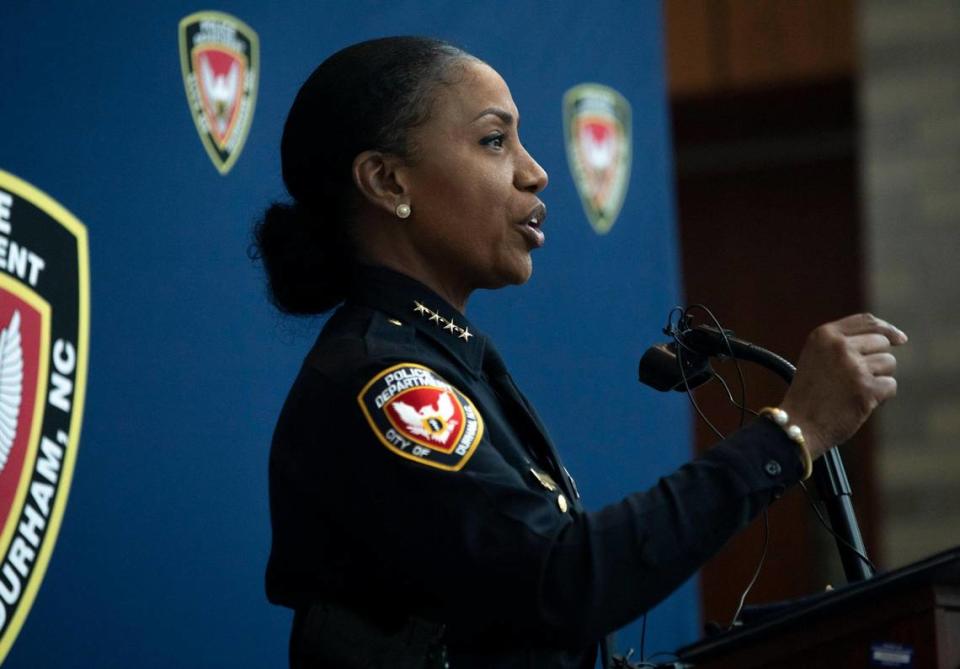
[(773, 468), (562, 503)]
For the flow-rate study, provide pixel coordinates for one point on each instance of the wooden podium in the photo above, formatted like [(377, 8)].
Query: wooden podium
[(904, 618)]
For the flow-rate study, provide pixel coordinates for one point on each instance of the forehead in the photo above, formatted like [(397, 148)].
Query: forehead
[(480, 88)]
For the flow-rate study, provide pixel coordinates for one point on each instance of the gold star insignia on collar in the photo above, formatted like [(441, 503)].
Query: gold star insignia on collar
[(448, 325)]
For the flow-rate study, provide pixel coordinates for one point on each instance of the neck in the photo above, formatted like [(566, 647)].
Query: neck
[(397, 252), (423, 272)]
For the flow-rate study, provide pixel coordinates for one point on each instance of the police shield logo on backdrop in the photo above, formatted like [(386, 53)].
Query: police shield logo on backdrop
[(597, 128), (44, 314), (220, 59)]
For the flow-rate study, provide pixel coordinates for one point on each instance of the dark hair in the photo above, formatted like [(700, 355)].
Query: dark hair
[(364, 97)]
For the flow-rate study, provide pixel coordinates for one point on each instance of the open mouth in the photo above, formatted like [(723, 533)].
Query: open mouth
[(532, 225)]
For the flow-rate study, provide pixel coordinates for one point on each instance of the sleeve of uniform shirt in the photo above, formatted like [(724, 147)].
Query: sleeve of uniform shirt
[(480, 548)]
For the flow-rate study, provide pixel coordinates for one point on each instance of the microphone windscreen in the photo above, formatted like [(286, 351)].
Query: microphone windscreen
[(660, 369)]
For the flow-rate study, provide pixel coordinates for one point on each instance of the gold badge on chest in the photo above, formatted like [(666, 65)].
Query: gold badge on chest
[(547, 482)]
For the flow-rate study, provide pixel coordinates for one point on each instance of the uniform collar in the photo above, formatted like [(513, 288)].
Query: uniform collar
[(413, 303)]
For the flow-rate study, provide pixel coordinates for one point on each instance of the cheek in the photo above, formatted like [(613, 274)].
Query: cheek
[(466, 202), (490, 193), (450, 186), (473, 206)]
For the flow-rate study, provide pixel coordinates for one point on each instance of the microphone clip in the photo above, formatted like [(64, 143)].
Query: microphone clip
[(683, 363)]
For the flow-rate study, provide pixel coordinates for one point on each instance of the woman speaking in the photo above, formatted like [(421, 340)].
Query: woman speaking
[(421, 514)]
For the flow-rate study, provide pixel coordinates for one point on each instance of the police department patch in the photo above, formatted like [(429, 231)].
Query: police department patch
[(220, 60), (597, 128), (44, 313), (418, 415)]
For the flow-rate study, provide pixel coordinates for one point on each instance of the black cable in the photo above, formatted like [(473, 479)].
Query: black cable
[(693, 401), (826, 526), (671, 330), (664, 652), (736, 361), (743, 408), (643, 637), (742, 405), (723, 382), (756, 573), (676, 331), (625, 663)]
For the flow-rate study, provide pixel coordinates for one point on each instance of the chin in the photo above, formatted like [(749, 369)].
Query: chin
[(521, 271), (512, 270), (527, 274), (515, 277)]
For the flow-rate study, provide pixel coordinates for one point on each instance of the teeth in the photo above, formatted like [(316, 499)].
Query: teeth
[(534, 221)]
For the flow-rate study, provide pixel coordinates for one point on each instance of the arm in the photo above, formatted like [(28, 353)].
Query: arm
[(490, 554)]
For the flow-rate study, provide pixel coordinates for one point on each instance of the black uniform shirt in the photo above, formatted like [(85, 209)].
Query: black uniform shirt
[(409, 476)]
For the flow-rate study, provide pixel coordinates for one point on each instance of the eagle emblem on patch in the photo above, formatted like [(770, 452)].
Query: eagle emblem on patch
[(220, 62), (597, 128), (44, 331), (416, 414)]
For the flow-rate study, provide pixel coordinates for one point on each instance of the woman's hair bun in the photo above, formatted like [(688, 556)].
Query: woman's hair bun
[(307, 274)]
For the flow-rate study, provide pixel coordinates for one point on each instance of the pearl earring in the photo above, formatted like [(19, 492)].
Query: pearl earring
[(403, 211)]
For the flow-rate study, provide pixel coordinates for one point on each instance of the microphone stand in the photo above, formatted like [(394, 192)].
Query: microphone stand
[(828, 471)]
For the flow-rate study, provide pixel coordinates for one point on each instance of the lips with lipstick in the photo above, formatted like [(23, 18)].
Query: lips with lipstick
[(531, 226)]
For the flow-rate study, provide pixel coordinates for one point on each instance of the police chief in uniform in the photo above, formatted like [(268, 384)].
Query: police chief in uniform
[(422, 516)]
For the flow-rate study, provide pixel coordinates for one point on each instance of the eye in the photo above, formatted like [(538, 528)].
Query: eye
[(495, 140)]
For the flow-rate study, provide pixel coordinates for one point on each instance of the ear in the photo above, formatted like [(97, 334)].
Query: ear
[(376, 177)]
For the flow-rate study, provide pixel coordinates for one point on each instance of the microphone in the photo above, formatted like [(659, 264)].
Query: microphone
[(685, 363), (662, 369)]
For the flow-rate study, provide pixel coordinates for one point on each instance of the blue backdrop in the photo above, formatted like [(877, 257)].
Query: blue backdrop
[(160, 557)]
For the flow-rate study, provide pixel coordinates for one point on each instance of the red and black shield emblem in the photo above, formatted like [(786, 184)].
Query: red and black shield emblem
[(418, 415), (598, 130), (44, 309), (220, 59)]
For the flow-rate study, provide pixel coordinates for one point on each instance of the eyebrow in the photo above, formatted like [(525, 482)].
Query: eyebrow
[(504, 116)]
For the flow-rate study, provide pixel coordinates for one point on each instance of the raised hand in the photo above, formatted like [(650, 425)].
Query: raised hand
[(846, 370)]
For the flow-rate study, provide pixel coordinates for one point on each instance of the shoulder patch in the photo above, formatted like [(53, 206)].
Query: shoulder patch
[(419, 416)]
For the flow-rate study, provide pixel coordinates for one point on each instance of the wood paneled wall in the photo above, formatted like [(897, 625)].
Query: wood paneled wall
[(721, 45), (764, 111)]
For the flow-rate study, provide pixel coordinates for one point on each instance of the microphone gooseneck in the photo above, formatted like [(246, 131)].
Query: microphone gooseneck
[(663, 369)]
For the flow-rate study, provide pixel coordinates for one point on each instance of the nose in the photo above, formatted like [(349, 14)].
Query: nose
[(529, 175)]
